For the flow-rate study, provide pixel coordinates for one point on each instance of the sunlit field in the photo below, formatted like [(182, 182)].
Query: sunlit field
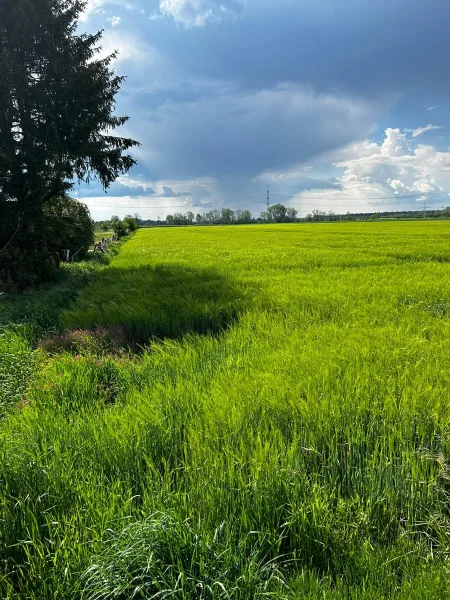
[(99, 235), (235, 412)]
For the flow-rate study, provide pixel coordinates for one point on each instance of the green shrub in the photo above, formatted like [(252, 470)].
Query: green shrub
[(69, 226)]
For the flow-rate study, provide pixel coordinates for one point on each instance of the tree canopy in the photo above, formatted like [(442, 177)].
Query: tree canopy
[(277, 213), (57, 101)]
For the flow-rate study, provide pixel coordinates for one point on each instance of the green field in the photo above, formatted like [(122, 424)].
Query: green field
[(99, 235), (235, 412)]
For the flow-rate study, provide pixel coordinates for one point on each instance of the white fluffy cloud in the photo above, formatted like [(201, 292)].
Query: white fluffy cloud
[(128, 47), (420, 130), (129, 182), (165, 191), (95, 6), (92, 7), (386, 176), (196, 13), (153, 198), (115, 21)]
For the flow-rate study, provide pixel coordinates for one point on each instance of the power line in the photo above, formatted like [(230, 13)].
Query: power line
[(248, 198), (303, 204)]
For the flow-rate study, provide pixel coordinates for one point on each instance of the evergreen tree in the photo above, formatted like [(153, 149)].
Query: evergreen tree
[(56, 119)]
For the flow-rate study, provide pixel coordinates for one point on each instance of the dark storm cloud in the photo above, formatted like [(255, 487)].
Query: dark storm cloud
[(276, 86)]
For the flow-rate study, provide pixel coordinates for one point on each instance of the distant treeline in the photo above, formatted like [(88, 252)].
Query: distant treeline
[(318, 215), (277, 213), (120, 227)]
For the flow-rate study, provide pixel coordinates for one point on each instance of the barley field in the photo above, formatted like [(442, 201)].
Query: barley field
[(237, 412)]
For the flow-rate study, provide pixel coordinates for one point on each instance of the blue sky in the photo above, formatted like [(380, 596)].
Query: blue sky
[(334, 105)]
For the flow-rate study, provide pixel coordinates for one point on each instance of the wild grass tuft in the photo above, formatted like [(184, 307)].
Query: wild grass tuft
[(162, 557)]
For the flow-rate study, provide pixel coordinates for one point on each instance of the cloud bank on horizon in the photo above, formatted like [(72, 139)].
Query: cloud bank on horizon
[(328, 104)]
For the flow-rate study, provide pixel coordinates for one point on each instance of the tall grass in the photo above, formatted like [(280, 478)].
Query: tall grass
[(282, 431)]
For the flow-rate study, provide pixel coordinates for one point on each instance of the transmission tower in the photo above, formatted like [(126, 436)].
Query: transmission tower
[(268, 199)]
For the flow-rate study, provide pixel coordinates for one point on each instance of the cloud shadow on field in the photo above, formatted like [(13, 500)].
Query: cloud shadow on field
[(158, 302)]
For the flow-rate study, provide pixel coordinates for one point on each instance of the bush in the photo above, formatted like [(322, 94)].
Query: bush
[(130, 224), (119, 228), (68, 226), (31, 255)]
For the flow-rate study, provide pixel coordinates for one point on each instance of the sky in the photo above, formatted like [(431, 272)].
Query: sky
[(336, 106)]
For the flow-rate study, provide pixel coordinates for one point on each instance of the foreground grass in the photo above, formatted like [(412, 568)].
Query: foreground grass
[(27, 317), (258, 412)]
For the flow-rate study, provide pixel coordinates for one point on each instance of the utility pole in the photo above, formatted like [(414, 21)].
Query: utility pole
[(268, 201)]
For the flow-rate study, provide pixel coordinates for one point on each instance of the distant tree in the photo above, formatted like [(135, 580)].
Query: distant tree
[(216, 216), (102, 225), (227, 216), (190, 217), (212, 217), (264, 216), (119, 228), (180, 219), (199, 219), (243, 216), (291, 215), (57, 102), (130, 223), (169, 220), (277, 213)]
